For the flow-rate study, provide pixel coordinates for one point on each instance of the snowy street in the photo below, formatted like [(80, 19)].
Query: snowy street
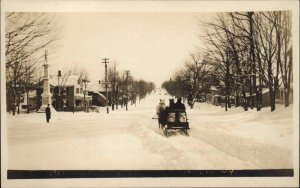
[(132, 140)]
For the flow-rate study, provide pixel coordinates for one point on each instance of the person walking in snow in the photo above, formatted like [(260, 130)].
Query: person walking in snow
[(48, 113), (160, 111)]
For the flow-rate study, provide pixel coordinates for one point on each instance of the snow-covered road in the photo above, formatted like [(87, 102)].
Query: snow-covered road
[(132, 140)]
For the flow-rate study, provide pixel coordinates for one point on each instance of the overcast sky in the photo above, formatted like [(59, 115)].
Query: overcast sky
[(151, 45)]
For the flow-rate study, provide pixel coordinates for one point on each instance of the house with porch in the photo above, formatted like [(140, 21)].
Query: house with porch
[(280, 98), (68, 95), (212, 94), (65, 96)]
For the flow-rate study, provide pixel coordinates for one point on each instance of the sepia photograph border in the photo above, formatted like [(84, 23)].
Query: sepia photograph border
[(151, 178)]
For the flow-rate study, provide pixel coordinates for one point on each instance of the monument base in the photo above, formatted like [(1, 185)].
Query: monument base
[(43, 109)]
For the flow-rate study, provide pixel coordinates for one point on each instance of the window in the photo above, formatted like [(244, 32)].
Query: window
[(21, 99), (77, 102), (65, 91), (65, 103), (77, 90), (81, 90)]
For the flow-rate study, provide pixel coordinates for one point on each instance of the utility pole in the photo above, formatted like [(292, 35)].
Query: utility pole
[(105, 61), (127, 73)]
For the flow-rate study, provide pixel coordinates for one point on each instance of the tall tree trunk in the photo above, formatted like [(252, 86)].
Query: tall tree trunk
[(237, 98), (271, 91), (14, 104), (253, 59), (286, 97), (272, 101), (240, 78), (27, 97), (288, 88), (227, 81), (85, 103), (245, 103), (226, 101), (18, 103), (259, 92)]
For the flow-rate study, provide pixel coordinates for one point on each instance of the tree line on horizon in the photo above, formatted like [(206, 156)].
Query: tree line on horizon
[(243, 53), (125, 88)]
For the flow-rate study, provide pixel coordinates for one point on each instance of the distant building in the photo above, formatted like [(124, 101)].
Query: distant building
[(67, 96), (265, 101), (280, 98), (98, 93), (214, 97), (212, 94), (31, 100)]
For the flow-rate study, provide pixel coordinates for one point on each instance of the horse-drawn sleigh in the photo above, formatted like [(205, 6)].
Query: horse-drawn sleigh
[(173, 119), (176, 120)]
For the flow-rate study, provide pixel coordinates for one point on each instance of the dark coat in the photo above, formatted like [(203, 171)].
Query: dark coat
[(48, 113), (172, 104), (180, 106)]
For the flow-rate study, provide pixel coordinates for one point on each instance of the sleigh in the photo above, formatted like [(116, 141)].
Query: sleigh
[(176, 120)]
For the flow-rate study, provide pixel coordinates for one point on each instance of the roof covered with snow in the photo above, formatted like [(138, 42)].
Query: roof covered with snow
[(69, 80), (95, 86)]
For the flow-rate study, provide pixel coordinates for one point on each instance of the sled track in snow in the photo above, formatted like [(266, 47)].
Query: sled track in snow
[(155, 141), (263, 156), (182, 152)]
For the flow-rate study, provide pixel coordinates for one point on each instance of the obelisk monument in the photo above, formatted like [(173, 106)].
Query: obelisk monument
[(46, 95)]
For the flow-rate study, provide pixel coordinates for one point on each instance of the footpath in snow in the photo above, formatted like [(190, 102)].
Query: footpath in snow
[(132, 140)]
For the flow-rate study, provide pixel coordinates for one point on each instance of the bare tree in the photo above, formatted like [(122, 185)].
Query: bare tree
[(244, 22), (283, 25), (258, 48), (113, 78), (189, 81), (26, 35), (267, 49), (28, 80), (197, 69), (125, 89), (224, 48), (83, 81)]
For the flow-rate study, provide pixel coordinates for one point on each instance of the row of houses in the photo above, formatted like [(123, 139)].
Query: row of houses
[(214, 97), (67, 96)]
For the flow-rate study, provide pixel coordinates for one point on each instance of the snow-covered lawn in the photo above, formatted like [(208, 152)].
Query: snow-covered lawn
[(132, 140)]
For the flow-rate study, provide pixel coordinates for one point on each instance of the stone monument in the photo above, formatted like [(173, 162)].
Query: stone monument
[(46, 95)]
